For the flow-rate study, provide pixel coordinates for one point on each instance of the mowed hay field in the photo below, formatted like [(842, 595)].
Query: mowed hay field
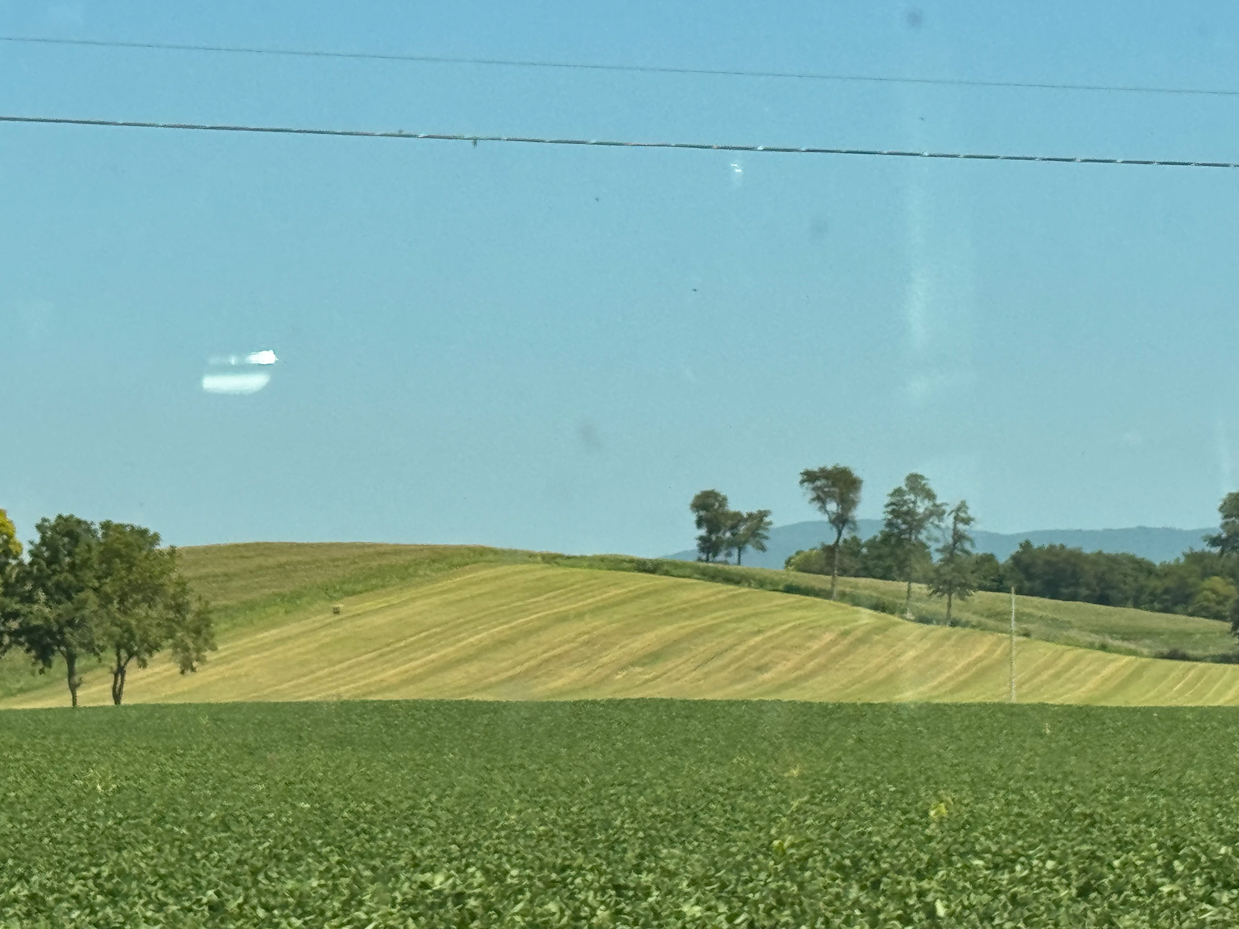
[(458, 622)]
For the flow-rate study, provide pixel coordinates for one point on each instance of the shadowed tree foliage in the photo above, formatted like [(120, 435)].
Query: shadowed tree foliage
[(834, 490), (987, 572), (713, 519), (912, 510), (953, 576), (1214, 598), (145, 606), (57, 600), (1062, 573)]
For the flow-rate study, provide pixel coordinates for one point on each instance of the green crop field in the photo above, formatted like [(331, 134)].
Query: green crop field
[(618, 813), (468, 622)]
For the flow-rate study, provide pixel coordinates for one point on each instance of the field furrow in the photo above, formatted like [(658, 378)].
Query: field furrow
[(535, 631)]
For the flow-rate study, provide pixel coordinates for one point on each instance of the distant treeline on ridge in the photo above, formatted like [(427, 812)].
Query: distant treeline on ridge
[(923, 541)]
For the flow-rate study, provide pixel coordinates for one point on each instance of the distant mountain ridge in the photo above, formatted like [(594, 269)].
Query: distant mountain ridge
[(1156, 544)]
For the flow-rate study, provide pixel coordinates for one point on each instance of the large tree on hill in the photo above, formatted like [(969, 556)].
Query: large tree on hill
[(748, 530), (145, 605), (713, 519), (953, 576), (57, 596), (912, 510), (834, 490)]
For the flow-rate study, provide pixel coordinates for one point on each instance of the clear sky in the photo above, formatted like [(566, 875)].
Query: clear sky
[(555, 348)]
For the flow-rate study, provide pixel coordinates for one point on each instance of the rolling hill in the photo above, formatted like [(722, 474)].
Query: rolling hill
[(469, 622)]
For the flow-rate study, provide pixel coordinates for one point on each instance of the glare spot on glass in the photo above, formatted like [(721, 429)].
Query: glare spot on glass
[(236, 374), (235, 383)]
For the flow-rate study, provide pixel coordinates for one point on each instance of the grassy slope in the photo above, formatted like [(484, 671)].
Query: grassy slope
[(257, 584), (467, 622), (1087, 625)]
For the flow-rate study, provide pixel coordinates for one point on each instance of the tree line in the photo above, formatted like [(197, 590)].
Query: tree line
[(924, 540), (1202, 582), (106, 592), (725, 532), (914, 519)]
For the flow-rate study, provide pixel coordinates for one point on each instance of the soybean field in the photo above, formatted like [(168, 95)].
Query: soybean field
[(618, 813)]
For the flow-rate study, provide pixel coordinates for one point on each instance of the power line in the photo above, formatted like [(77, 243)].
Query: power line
[(632, 69), (612, 143)]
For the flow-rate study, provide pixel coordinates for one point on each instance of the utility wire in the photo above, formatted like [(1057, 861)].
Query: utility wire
[(632, 69), (611, 143)]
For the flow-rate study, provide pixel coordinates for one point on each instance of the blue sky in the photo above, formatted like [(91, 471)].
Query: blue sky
[(555, 348)]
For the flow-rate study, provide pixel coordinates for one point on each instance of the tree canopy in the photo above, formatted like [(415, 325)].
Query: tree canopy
[(912, 510), (723, 531), (58, 591), (87, 590), (10, 558), (747, 530), (835, 490), (953, 575), (712, 518), (145, 605)]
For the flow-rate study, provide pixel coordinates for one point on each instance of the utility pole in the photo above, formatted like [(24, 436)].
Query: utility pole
[(1012, 643)]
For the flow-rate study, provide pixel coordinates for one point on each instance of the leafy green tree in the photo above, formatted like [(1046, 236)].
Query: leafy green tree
[(1214, 599), (10, 547), (713, 519), (57, 595), (808, 561), (145, 605), (987, 571), (851, 555), (953, 575), (1172, 586), (912, 510), (882, 556), (1226, 541), (748, 530), (821, 560), (10, 560), (1060, 572), (834, 490)]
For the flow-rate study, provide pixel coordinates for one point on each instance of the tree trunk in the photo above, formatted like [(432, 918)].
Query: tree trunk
[(834, 569), (739, 552), (907, 600), (71, 674), (950, 593), (118, 680)]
